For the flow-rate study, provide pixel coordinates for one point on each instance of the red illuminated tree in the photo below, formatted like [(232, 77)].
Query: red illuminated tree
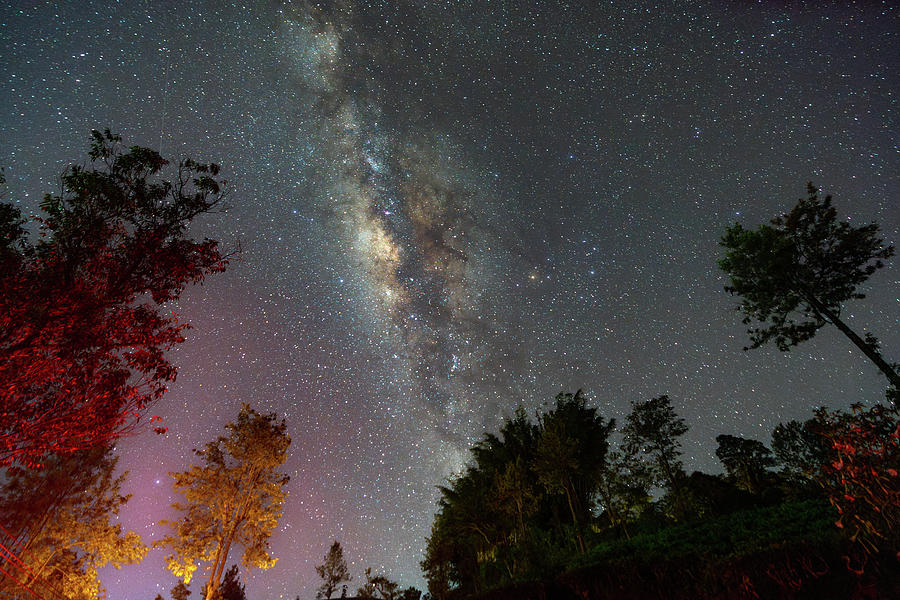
[(862, 479), (82, 334)]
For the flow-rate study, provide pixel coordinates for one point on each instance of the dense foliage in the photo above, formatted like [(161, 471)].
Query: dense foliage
[(794, 275), (527, 489), (234, 498), (57, 526), (500, 524), (83, 339)]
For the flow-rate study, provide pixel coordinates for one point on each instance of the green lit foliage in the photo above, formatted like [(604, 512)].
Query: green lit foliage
[(529, 491), (59, 521), (234, 498), (794, 275), (571, 454), (624, 489)]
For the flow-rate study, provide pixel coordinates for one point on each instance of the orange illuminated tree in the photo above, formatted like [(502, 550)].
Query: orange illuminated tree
[(58, 526), (83, 336), (234, 498)]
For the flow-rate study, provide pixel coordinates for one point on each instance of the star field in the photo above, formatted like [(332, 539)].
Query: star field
[(450, 209)]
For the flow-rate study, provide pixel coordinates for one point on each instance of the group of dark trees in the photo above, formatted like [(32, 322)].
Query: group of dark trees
[(83, 343), (548, 495), (335, 574), (553, 493)]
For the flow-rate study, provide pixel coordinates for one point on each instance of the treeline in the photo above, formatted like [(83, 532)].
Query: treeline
[(555, 494), (84, 340), (550, 496), (336, 575)]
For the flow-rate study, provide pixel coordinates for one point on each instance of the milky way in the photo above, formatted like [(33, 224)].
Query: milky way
[(405, 209), (451, 209)]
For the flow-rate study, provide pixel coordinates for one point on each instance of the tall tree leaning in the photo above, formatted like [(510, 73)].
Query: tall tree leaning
[(83, 338), (234, 498), (794, 275)]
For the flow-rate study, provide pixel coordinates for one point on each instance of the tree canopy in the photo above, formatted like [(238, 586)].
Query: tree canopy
[(794, 275), (234, 498), (530, 483), (58, 524), (747, 461), (653, 430), (83, 339)]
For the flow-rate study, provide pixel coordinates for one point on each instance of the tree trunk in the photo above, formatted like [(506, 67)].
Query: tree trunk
[(581, 545), (219, 565), (867, 349)]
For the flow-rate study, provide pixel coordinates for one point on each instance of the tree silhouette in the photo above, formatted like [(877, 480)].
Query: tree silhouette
[(799, 449), (180, 591), (653, 430), (235, 497), (747, 461), (57, 525), (231, 587), (652, 433), (571, 453), (83, 339), (333, 571), (794, 275), (379, 587)]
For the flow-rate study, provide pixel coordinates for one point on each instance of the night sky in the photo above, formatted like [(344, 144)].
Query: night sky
[(450, 209)]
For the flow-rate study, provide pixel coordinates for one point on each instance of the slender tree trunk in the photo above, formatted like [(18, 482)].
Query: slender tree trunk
[(219, 565), (867, 349), (240, 514), (580, 539), (520, 511)]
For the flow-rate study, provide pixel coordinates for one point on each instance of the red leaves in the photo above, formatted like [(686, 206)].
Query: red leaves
[(862, 482), (82, 334)]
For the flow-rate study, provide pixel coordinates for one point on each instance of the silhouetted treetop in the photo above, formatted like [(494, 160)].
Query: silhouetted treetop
[(794, 275)]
